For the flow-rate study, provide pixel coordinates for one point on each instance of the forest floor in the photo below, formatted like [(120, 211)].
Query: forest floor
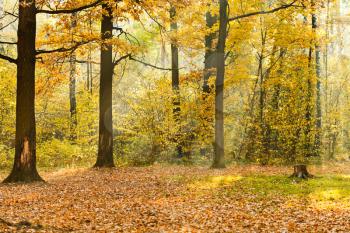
[(179, 199)]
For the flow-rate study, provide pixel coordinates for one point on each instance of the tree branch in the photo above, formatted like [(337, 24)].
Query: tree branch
[(69, 11), (263, 12), (116, 62), (9, 59), (150, 65), (63, 49), (12, 14), (8, 24), (8, 43)]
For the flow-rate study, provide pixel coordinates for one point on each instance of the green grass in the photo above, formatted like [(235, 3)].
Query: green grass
[(324, 191), (283, 185)]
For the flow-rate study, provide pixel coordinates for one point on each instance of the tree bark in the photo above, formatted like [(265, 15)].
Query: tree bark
[(219, 157), (308, 115), (105, 146), (209, 57), (318, 89), (175, 80), (72, 90), (264, 126), (24, 168), (209, 71), (89, 71)]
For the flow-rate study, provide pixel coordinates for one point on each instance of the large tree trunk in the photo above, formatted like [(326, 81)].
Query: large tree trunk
[(175, 79), (219, 159), (105, 145), (24, 168), (72, 91)]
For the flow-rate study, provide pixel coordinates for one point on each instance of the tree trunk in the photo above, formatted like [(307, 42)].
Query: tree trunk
[(89, 70), (318, 89), (105, 145), (219, 157), (72, 90), (300, 171), (209, 71), (308, 114), (175, 78), (264, 126), (209, 57), (24, 168)]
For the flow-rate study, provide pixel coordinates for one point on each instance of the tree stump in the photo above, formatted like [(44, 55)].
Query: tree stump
[(300, 171)]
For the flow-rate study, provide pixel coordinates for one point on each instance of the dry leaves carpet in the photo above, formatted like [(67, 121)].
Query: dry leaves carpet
[(179, 199)]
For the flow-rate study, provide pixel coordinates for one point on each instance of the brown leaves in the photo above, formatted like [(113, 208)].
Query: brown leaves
[(157, 200)]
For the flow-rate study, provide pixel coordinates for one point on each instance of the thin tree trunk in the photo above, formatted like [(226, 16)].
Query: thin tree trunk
[(265, 129), (89, 70), (88, 73), (209, 71), (105, 145), (318, 90), (24, 168), (175, 78), (219, 157), (209, 57), (307, 131), (72, 90)]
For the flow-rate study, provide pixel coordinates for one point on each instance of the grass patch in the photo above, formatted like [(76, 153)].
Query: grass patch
[(328, 191), (273, 185), (213, 182), (325, 188)]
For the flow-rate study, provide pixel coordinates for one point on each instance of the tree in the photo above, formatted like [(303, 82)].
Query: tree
[(219, 160), (209, 57), (175, 80), (72, 87), (208, 72), (24, 167), (318, 87), (105, 142)]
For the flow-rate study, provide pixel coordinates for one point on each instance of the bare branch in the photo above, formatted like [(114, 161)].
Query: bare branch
[(150, 65), (63, 49), (263, 12), (116, 62), (8, 24), (8, 43), (69, 11), (9, 59), (12, 14)]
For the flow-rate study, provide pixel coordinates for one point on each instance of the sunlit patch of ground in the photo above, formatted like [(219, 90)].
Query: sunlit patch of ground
[(179, 199)]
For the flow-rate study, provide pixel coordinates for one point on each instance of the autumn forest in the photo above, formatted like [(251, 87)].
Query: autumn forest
[(174, 116)]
